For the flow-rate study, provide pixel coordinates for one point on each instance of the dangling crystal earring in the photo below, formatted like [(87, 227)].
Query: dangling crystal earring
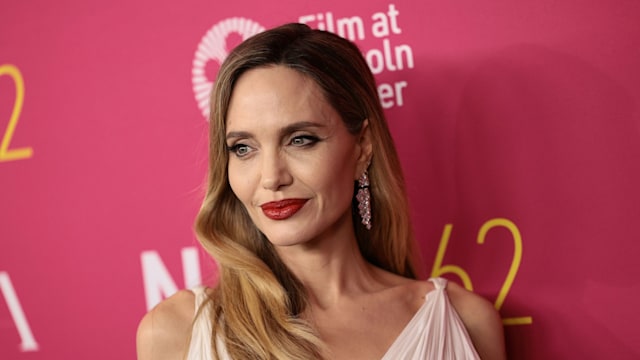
[(364, 200)]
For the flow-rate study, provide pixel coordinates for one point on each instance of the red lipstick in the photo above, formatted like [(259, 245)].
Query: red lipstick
[(283, 209)]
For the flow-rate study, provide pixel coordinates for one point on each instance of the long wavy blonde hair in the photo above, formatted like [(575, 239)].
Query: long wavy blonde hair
[(257, 301)]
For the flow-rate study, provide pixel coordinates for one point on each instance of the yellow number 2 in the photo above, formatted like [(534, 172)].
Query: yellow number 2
[(439, 269), (513, 269), (7, 154)]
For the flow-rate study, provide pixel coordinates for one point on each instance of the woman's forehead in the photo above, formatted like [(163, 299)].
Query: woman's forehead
[(276, 95)]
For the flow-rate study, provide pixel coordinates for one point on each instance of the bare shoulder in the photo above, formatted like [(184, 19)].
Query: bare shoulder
[(481, 320), (164, 331)]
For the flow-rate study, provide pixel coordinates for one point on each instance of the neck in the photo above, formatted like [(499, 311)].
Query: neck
[(331, 269)]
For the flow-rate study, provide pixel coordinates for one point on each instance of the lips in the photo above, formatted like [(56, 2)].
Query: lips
[(283, 209)]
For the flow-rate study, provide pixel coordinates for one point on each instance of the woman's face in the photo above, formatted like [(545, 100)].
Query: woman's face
[(292, 162)]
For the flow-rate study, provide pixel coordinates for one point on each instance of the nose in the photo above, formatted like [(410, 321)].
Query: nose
[(275, 171)]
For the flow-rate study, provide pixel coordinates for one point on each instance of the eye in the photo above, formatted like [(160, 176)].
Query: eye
[(304, 140), (240, 150)]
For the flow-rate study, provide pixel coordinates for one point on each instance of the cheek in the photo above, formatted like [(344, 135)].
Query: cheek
[(335, 177), (238, 182)]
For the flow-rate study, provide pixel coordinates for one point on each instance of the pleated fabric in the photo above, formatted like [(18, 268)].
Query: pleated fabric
[(200, 345), (434, 333)]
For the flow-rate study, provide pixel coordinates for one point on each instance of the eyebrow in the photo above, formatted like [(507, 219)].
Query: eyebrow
[(301, 125)]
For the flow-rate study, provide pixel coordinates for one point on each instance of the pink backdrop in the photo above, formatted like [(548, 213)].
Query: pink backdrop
[(518, 125)]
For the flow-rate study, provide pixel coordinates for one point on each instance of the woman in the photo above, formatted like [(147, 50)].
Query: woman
[(307, 217)]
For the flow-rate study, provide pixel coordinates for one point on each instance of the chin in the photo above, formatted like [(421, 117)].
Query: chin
[(286, 241)]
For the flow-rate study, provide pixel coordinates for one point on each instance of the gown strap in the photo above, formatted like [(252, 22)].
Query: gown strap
[(439, 283), (200, 343)]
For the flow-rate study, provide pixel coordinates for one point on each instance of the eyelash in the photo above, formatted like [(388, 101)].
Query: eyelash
[(307, 141), (234, 149)]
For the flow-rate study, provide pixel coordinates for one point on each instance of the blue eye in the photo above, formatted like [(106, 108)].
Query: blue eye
[(239, 150), (304, 140)]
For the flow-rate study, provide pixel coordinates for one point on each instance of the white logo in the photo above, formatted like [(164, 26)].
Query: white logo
[(213, 47)]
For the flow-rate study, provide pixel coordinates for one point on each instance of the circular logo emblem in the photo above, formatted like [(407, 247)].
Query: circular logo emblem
[(213, 47)]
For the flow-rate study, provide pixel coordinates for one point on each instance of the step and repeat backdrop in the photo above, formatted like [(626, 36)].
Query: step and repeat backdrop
[(518, 126)]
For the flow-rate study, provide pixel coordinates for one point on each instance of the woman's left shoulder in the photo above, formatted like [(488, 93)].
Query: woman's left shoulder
[(481, 319)]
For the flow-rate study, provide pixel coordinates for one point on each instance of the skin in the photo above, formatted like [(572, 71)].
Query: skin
[(286, 141)]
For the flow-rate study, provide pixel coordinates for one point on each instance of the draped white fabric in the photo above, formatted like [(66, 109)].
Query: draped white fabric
[(200, 345), (434, 333)]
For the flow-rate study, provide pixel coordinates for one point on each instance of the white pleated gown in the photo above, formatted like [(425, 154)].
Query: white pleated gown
[(434, 333)]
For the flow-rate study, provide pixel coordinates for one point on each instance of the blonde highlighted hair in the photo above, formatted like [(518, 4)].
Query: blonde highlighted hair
[(257, 302)]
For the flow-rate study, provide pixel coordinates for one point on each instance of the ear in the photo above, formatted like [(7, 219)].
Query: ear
[(364, 149)]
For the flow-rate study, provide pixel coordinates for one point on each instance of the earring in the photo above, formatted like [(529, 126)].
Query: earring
[(364, 200)]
